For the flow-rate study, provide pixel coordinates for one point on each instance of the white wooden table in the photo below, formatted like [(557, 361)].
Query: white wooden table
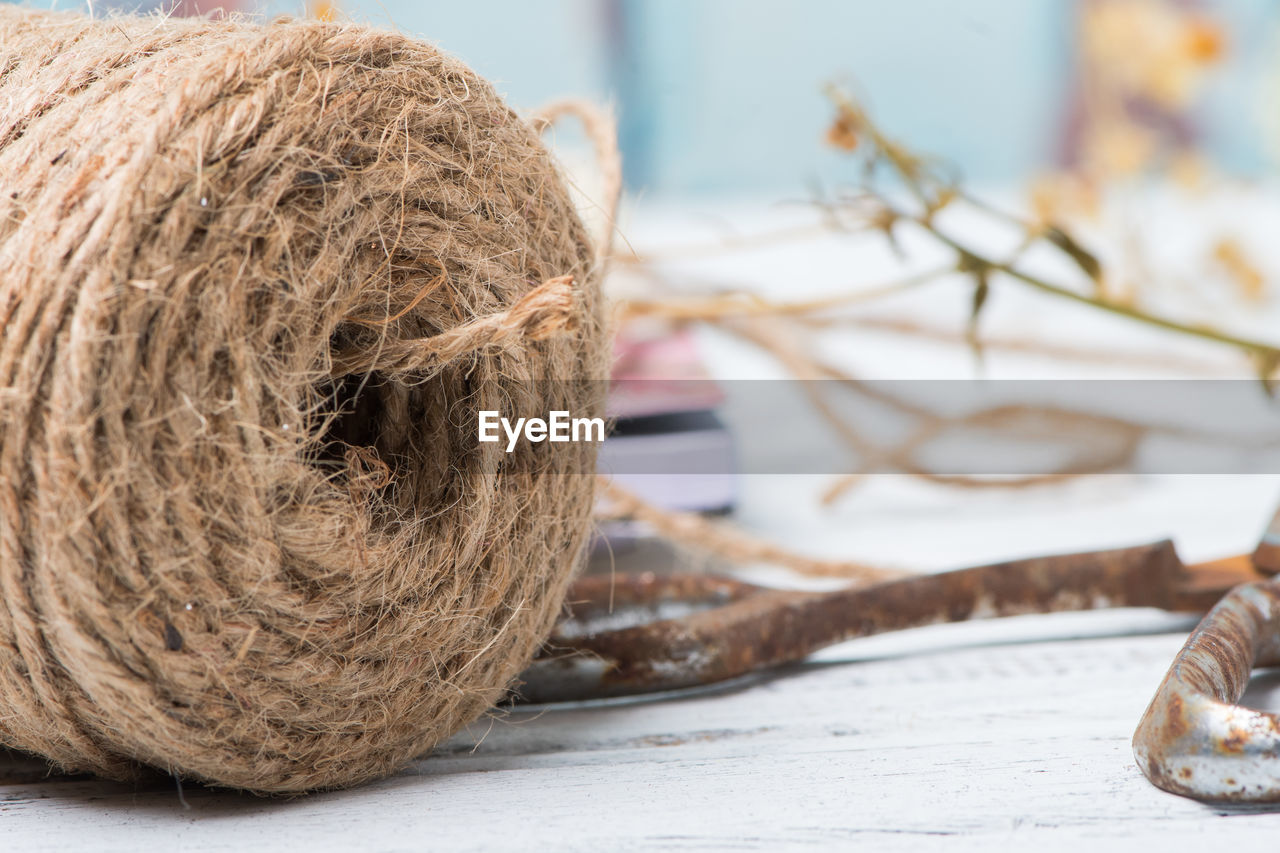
[(965, 737), (972, 745)]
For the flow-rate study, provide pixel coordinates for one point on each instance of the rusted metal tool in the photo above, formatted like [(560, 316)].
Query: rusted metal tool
[(632, 634), (1194, 739), (642, 633)]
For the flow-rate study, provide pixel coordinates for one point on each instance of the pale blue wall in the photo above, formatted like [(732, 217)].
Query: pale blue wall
[(1247, 88), (735, 85), (534, 50), (724, 95)]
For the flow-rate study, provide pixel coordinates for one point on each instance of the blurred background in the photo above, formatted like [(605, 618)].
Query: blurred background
[(1110, 215), (725, 96)]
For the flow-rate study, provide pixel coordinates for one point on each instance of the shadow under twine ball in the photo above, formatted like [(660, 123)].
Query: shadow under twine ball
[(256, 283)]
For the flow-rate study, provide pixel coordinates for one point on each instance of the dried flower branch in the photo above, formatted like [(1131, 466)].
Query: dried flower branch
[(933, 191)]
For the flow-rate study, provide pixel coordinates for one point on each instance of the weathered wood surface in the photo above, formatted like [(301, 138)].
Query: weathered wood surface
[(973, 746)]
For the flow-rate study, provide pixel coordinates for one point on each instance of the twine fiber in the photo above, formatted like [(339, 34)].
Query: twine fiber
[(255, 282)]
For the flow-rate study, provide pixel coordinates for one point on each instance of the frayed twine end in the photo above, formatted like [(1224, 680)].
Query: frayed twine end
[(548, 310)]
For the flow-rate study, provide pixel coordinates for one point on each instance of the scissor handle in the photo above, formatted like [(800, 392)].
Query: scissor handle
[(1194, 739)]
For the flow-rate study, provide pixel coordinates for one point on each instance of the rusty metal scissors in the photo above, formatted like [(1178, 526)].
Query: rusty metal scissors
[(641, 633)]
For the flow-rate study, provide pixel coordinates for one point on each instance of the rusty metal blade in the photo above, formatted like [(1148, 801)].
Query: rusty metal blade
[(638, 634)]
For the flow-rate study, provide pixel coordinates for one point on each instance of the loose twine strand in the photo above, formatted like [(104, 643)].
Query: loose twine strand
[(615, 502), (758, 325), (733, 544), (602, 131)]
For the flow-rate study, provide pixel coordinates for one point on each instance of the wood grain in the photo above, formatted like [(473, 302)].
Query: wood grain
[(979, 746)]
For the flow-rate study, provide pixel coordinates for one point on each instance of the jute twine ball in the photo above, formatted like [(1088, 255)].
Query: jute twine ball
[(256, 283)]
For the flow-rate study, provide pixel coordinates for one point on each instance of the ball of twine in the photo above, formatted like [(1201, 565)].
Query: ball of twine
[(256, 282)]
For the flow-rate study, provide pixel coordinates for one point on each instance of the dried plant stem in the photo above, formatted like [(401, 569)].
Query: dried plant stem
[(702, 534), (905, 326), (773, 339), (933, 190), (1267, 354), (723, 306)]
